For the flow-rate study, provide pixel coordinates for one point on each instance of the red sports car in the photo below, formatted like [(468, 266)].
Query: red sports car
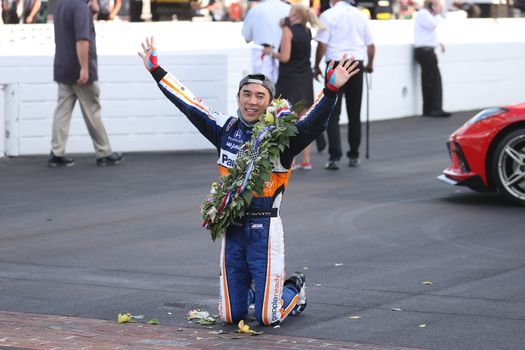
[(488, 153)]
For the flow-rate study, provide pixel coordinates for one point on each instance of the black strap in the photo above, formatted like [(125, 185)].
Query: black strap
[(254, 213), (425, 48)]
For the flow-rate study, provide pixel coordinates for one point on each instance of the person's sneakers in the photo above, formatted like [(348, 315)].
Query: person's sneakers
[(56, 162), (306, 166), (298, 281), (354, 162), (295, 166), (332, 165), (112, 159)]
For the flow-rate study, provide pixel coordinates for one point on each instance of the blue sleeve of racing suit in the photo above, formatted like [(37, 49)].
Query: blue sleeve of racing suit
[(311, 125), (207, 121)]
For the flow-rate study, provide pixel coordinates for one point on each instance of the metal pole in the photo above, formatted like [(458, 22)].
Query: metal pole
[(367, 115)]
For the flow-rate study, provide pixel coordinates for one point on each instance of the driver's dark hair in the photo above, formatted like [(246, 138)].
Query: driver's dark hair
[(260, 79)]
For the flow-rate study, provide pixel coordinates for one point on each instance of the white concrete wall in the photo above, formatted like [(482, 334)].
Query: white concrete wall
[(2, 122), (484, 65), (136, 114)]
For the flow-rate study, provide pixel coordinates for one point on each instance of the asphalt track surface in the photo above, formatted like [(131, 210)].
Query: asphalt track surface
[(93, 242)]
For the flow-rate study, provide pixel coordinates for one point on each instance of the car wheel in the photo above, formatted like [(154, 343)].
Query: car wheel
[(508, 166)]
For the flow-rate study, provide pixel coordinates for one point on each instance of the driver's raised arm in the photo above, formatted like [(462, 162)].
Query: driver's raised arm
[(207, 121)]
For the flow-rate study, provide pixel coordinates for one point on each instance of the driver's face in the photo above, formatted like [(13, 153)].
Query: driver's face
[(253, 100)]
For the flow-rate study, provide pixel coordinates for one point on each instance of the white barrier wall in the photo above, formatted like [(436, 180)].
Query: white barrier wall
[(484, 65), (137, 116), (2, 122)]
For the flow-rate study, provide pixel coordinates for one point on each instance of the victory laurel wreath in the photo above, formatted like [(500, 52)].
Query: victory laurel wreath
[(232, 194)]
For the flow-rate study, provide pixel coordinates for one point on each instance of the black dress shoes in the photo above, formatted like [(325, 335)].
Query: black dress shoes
[(440, 113)]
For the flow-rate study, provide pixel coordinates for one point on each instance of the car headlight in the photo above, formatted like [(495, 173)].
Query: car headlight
[(485, 114)]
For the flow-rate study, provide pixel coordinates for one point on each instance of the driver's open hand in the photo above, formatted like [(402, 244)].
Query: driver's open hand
[(149, 54), (346, 69)]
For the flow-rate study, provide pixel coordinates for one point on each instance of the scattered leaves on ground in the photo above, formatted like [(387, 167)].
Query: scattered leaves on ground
[(245, 329), (203, 317), (197, 314), (124, 318), (127, 318), (206, 321)]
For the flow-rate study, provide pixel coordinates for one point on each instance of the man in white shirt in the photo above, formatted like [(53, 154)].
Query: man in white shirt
[(261, 26), (346, 31), (425, 43)]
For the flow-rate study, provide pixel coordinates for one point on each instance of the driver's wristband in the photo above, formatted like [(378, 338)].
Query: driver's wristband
[(153, 61), (330, 80)]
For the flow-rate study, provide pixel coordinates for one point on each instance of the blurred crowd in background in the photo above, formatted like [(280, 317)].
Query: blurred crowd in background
[(40, 11)]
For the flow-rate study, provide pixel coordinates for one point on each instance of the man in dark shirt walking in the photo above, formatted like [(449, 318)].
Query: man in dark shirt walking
[(75, 71)]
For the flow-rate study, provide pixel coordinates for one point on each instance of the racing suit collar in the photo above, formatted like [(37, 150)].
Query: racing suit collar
[(241, 118)]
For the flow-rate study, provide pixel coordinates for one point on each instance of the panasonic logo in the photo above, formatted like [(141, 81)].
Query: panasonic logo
[(227, 159)]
